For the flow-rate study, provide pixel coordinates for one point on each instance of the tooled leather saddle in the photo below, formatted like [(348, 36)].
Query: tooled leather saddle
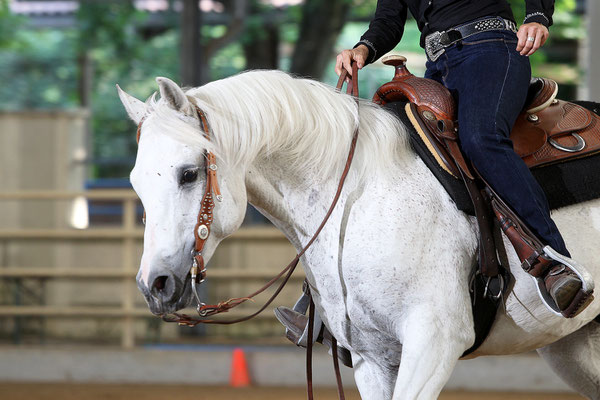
[(547, 131), (548, 134)]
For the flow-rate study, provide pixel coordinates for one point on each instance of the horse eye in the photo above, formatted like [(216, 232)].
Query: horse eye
[(189, 176)]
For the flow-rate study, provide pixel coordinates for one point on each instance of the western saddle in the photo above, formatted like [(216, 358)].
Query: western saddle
[(547, 131)]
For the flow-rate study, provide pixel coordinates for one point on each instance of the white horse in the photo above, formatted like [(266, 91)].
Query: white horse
[(389, 273)]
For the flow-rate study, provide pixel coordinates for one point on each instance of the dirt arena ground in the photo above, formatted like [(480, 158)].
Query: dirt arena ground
[(52, 391)]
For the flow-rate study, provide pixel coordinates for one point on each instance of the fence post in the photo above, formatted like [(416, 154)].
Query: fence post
[(128, 334)]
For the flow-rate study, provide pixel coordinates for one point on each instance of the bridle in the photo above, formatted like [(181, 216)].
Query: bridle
[(202, 232), (205, 216)]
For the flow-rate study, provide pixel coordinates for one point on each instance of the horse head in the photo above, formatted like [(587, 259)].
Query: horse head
[(170, 177)]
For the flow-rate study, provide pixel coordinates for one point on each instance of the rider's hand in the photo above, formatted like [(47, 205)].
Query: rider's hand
[(538, 32), (358, 54)]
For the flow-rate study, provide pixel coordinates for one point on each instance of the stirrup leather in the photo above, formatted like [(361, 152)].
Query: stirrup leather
[(537, 259)]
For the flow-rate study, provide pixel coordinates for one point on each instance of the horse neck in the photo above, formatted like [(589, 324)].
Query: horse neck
[(288, 199), (296, 203)]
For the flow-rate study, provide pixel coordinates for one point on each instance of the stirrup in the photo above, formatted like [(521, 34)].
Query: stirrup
[(297, 332), (581, 300)]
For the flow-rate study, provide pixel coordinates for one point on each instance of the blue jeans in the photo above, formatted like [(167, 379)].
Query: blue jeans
[(489, 80)]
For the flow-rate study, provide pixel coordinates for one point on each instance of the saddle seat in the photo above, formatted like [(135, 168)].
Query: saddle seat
[(541, 94), (547, 131)]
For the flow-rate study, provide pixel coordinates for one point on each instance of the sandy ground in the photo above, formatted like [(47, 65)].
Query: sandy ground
[(52, 391)]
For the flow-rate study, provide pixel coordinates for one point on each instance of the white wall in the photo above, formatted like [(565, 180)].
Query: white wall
[(591, 90), (40, 150)]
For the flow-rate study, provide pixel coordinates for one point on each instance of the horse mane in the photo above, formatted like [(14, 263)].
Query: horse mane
[(307, 124)]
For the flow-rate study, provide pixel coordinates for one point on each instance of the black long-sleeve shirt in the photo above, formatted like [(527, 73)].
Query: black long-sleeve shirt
[(387, 27)]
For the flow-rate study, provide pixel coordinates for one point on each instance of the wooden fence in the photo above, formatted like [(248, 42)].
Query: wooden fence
[(130, 235)]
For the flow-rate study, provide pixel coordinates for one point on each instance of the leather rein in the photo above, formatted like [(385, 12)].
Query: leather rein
[(202, 232)]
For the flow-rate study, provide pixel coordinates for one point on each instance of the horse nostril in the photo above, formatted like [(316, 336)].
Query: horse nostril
[(160, 282), (163, 286)]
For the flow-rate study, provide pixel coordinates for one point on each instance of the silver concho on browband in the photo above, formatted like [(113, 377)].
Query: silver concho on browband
[(203, 232)]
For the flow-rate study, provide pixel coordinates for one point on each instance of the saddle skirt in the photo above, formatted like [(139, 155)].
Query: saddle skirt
[(558, 140), (559, 132)]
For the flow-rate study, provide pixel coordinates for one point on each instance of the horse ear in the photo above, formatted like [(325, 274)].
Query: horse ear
[(135, 108), (174, 95)]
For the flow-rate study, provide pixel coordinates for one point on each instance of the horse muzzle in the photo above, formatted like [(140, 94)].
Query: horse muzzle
[(165, 292)]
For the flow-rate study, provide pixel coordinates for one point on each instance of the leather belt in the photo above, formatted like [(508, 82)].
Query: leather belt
[(436, 42)]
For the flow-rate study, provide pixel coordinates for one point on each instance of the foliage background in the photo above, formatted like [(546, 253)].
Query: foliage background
[(39, 66)]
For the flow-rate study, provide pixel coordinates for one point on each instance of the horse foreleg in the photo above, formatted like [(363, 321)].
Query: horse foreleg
[(576, 359), (374, 381), (430, 349)]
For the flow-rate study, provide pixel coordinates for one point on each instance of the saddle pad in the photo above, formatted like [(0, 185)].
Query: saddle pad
[(565, 184)]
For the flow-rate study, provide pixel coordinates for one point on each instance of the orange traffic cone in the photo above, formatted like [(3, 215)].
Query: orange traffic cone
[(239, 369)]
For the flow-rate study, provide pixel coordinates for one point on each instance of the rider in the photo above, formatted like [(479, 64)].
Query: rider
[(485, 66)]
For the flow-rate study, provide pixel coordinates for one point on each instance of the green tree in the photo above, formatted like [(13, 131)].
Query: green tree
[(321, 24), (8, 26)]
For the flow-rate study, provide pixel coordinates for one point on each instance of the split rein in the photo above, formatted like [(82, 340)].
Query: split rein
[(202, 232)]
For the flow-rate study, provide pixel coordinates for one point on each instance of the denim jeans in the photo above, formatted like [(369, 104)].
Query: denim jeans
[(489, 80)]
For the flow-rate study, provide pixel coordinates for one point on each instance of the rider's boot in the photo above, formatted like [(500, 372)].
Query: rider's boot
[(568, 284), (562, 284)]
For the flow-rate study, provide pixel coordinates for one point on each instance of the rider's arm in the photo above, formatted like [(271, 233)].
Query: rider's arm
[(534, 31), (386, 28), (539, 11)]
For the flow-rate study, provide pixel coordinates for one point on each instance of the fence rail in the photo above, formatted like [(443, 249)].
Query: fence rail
[(84, 273), (130, 235)]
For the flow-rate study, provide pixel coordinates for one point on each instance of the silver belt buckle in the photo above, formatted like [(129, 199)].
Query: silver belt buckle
[(433, 47), (511, 26)]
